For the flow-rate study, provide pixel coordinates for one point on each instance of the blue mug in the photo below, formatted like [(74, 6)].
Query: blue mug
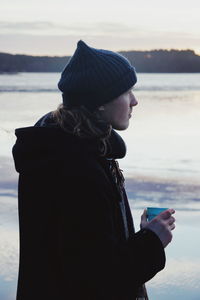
[(152, 212)]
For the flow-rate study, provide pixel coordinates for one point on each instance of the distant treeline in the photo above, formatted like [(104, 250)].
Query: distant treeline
[(155, 61)]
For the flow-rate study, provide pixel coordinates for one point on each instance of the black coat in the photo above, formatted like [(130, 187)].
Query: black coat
[(72, 237)]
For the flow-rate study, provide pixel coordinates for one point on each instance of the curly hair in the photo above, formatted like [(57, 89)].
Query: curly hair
[(81, 122)]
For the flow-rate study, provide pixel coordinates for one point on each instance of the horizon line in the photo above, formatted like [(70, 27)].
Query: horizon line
[(118, 51)]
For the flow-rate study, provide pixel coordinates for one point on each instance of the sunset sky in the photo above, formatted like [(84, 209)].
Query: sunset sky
[(49, 27)]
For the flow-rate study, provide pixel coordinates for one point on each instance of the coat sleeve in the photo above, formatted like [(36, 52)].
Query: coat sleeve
[(88, 237)]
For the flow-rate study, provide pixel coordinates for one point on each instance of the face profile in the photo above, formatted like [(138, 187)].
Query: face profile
[(118, 112)]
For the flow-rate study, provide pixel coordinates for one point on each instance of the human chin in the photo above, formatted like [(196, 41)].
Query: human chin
[(122, 126)]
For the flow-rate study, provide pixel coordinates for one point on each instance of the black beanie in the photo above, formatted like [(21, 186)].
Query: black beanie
[(93, 77)]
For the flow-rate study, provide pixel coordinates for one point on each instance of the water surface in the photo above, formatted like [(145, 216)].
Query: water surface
[(162, 168)]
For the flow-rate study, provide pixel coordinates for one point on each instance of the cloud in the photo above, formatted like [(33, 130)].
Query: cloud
[(25, 25), (50, 28), (118, 35), (46, 38)]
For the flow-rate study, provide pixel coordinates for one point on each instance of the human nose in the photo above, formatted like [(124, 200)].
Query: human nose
[(134, 101)]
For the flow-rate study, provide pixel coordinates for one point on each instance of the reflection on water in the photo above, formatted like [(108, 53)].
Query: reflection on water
[(179, 280), (162, 167), (9, 249), (7, 289)]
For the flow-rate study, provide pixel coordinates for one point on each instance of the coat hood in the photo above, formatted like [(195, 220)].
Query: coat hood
[(37, 147)]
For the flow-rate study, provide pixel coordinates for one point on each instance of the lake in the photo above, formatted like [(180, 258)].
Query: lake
[(162, 168)]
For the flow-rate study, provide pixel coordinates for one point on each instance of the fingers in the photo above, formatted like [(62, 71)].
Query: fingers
[(171, 220), (172, 227), (171, 224), (167, 213), (164, 220), (144, 216), (167, 219), (171, 211), (143, 219)]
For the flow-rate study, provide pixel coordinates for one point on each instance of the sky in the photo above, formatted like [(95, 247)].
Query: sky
[(49, 27)]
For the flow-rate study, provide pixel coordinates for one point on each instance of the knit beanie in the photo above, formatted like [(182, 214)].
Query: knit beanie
[(93, 77)]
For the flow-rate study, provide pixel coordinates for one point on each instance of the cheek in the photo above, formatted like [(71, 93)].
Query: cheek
[(123, 111), (118, 113), (121, 116)]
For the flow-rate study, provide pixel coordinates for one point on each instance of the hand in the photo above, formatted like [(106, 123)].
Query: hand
[(162, 225)]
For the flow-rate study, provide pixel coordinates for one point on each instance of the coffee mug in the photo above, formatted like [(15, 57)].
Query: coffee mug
[(152, 212)]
